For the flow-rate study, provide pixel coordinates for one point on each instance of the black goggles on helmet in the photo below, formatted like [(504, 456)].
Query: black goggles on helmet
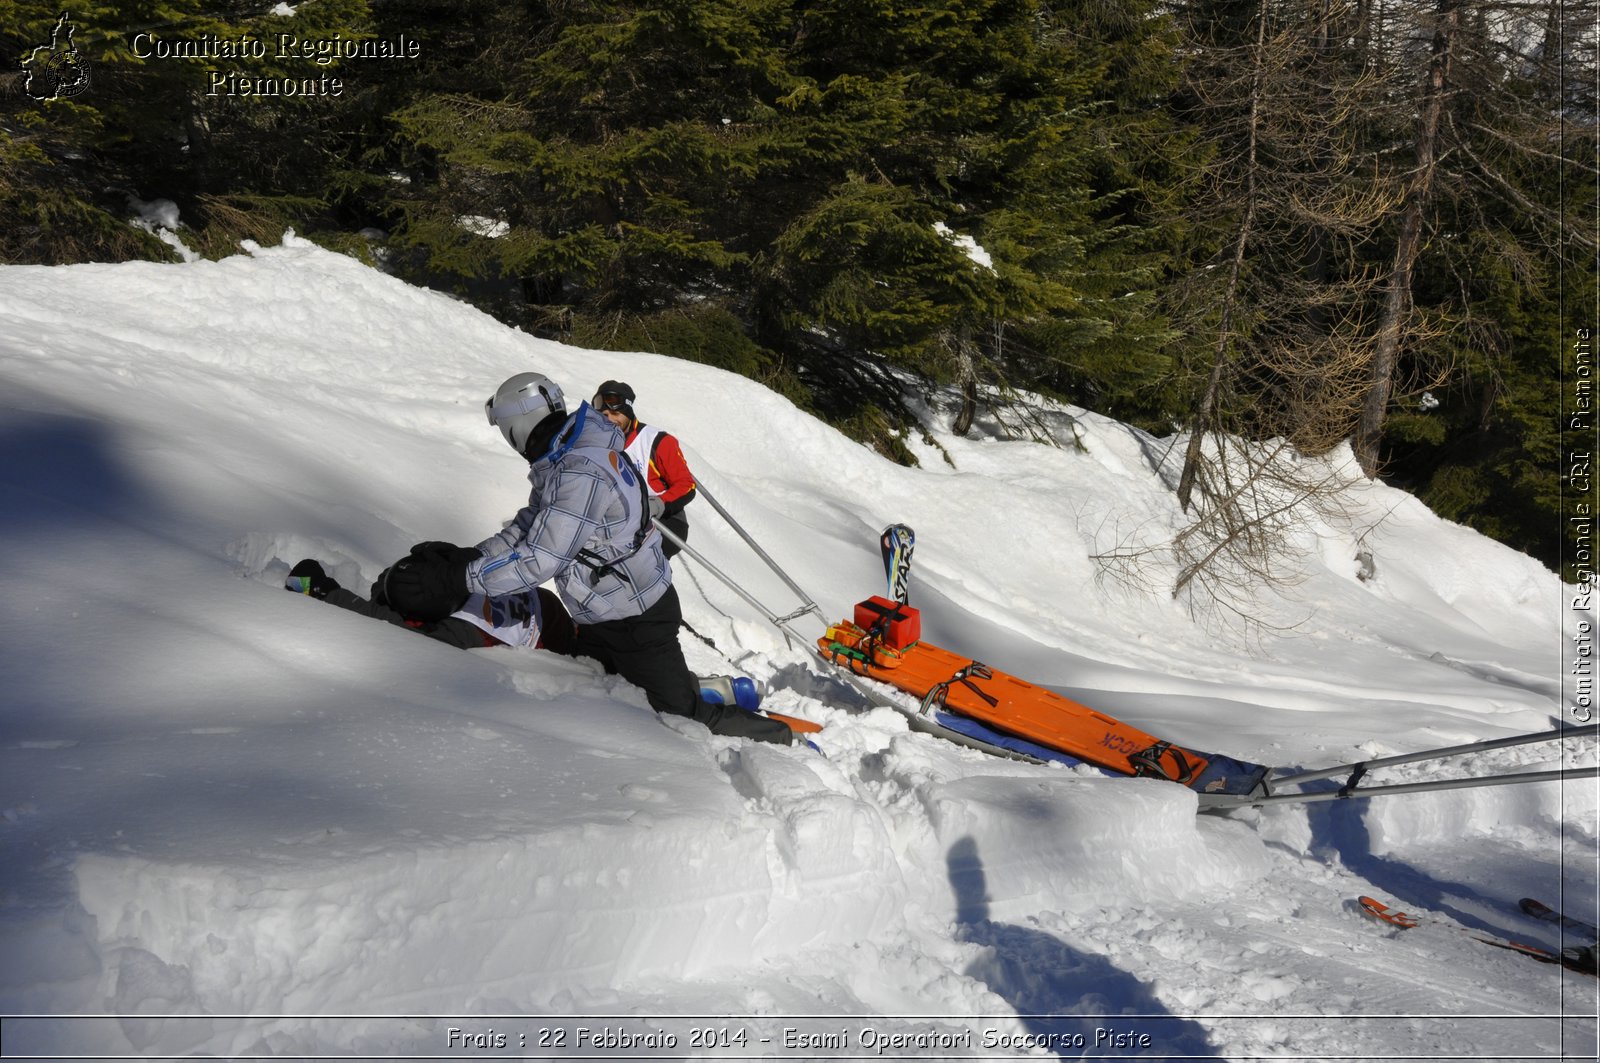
[(611, 403)]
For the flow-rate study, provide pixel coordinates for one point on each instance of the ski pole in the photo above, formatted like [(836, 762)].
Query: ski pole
[(809, 605)]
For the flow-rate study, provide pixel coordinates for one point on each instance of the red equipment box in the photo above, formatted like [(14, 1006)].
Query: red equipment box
[(901, 625)]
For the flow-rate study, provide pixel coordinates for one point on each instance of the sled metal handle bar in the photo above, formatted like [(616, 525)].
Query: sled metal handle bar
[(1223, 802), (781, 623), (1363, 766), (805, 599), (807, 605)]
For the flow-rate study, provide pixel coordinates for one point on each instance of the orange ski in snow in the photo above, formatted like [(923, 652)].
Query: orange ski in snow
[(1405, 921), (1378, 910)]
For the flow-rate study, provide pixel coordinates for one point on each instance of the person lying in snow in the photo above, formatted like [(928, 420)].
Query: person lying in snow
[(535, 619), (538, 621), (586, 526)]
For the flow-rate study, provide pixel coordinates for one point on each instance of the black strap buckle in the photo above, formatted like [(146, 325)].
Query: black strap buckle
[(1147, 764), (935, 698)]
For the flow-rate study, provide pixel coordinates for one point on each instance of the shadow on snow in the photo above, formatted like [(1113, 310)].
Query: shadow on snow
[(1070, 1002)]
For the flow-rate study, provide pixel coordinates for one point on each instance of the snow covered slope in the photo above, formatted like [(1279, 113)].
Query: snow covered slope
[(225, 806)]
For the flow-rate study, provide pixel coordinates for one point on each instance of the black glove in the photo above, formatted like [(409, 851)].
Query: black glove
[(378, 594), (448, 551), (307, 577), (426, 588)]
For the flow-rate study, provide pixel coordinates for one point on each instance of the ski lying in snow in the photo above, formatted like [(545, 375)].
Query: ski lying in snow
[(1576, 927), (1568, 958)]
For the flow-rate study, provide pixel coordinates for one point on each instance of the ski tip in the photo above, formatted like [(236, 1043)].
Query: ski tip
[(1378, 910), (795, 723)]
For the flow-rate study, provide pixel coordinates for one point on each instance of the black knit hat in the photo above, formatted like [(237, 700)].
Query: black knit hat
[(617, 388), (614, 395)]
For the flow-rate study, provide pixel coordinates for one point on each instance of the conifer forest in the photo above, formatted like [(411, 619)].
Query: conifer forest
[(1284, 225)]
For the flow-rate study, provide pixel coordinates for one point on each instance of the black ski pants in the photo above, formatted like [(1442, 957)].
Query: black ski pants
[(644, 650)]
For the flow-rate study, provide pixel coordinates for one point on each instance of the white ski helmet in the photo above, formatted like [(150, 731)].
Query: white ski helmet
[(521, 404)]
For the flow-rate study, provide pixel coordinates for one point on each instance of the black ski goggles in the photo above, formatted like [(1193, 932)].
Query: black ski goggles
[(611, 403)]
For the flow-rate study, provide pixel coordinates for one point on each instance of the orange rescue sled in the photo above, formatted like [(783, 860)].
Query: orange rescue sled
[(883, 642)]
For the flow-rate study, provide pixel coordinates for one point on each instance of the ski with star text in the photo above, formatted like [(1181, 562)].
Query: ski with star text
[(897, 542), (1576, 927), (1572, 959)]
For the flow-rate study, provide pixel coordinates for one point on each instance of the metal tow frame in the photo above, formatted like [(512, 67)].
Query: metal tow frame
[(1265, 793), (808, 606), (780, 622), (861, 685)]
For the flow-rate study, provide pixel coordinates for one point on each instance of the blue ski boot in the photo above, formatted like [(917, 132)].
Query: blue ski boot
[(731, 690)]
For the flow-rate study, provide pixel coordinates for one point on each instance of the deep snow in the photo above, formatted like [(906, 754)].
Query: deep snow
[(234, 819)]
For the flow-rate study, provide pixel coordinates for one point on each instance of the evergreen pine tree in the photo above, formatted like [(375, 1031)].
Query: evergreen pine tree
[(815, 172), (153, 122)]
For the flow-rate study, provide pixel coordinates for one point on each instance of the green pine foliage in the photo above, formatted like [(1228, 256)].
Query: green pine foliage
[(1489, 454), (54, 206), (152, 125), (810, 170), (1006, 123), (852, 200)]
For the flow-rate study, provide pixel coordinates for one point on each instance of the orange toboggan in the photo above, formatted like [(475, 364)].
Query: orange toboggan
[(883, 641)]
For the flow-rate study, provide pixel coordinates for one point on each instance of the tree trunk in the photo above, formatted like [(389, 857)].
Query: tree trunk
[(967, 379), (1397, 291), (1203, 415)]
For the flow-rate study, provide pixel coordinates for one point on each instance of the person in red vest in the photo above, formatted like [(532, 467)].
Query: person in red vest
[(656, 454)]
